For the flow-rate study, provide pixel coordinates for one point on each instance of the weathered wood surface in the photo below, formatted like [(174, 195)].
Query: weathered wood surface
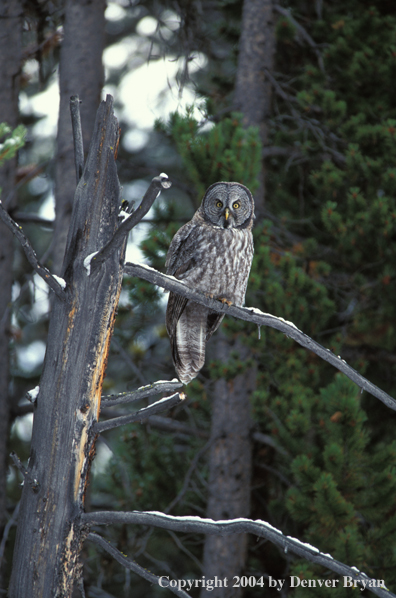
[(49, 535)]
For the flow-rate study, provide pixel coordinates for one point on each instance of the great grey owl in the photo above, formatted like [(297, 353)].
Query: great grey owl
[(213, 254)]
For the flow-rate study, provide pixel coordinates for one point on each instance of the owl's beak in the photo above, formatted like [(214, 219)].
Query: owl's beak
[(226, 213)]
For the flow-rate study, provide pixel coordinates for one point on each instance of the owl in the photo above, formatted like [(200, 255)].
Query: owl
[(213, 254)]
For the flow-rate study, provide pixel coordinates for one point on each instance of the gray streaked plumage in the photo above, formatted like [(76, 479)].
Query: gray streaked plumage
[(212, 253)]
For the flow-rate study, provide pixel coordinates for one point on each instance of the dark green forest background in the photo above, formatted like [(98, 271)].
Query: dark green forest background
[(323, 163)]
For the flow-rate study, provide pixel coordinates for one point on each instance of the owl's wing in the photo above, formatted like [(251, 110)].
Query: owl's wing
[(179, 260), (180, 252)]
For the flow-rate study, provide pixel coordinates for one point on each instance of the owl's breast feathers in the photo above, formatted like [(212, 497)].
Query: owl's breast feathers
[(215, 261)]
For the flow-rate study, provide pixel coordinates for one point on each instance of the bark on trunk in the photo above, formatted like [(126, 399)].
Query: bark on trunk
[(10, 64), (230, 458), (80, 73), (253, 90), (230, 473), (49, 536)]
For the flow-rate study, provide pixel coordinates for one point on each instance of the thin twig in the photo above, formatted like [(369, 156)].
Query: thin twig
[(12, 521), (129, 564), (171, 425), (26, 475), (180, 545), (157, 407), (30, 217), (156, 186), (77, 136), (236, 526), (269, 441), (278, 89), (188, 475), (254, 315), (271, 151), (115, 344), (141, 393), (31, 255)]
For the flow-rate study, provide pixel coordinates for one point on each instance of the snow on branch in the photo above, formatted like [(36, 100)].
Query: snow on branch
[(157, 407), (141, 393), (157, 184), (254, 315), (132, 565), (232, 526), (45, 274)]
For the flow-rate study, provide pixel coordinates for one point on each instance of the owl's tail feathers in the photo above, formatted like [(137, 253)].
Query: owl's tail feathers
[(189, 342)]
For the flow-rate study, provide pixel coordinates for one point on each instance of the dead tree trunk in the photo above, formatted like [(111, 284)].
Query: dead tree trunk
[(49, 535), (81, 73)]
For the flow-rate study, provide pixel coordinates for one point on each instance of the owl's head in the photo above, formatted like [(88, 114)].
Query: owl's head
[(228, 205)]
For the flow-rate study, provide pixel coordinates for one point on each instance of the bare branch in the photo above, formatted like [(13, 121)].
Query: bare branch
[(157, 407), (132, 566), (188, 475), (271, 151), (31, 254), (141, 393), (77, 136), (269, 441), (278, 89), (31, 217), (12, 521), (26, 475), (236, 526), (117, 347), (251, 314), (157, 184), (303, 32), (171, 425)]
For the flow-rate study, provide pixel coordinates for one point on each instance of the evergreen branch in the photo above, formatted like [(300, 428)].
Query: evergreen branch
[(157, 184), (141, 393), (133, 566), (157, 407), (236, 526), (77, 136), (45, 274), (254, 315)]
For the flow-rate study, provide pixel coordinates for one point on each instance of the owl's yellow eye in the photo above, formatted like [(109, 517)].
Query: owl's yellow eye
[(219, 204), (236, 205)]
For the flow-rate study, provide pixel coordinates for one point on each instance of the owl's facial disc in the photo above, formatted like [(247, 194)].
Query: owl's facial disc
[(227, 205)]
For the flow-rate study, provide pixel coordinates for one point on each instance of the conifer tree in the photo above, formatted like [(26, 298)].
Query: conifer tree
[(323, 260)]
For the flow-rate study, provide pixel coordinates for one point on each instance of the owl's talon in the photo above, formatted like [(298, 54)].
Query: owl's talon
[(223, 300)]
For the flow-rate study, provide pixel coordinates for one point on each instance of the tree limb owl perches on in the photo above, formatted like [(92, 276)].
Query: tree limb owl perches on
[(212, 253)]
